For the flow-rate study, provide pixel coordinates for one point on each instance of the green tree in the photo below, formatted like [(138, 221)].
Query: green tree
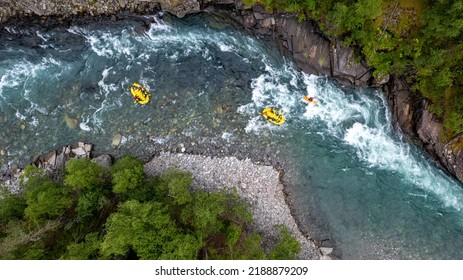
[(88, 181), (250, 248), (45, 199), (89, 249), (21, 237), (11, 207), (90, 203), (147, 230), (204, 213), (287, 246), (174, 186), (83, 174), (161, 220), (127, 174)]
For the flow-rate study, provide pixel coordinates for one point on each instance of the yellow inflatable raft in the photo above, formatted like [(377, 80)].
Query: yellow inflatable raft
[(140, 94), (273, 116)]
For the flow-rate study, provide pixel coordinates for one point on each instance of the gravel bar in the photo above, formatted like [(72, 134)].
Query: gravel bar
[(258, 185)]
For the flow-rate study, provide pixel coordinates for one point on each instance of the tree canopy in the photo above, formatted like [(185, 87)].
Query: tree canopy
[(121, 213)]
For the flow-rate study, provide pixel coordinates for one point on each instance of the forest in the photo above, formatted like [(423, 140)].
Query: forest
[(421, 40), (90, 212)]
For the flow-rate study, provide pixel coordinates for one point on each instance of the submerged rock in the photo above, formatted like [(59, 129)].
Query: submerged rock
[(116, 140), (70, 122)]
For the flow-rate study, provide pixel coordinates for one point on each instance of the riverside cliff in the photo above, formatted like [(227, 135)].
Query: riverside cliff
[(312, 52)]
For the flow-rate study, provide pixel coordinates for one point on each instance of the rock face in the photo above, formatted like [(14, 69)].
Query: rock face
[(66, 8), (311, 51), (405, 106), (411, 112), (180, 8)]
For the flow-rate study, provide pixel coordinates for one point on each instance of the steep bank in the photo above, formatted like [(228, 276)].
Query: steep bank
[(412, 114)]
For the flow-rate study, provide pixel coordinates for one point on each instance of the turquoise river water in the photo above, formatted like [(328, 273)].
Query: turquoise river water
[(371, 193)]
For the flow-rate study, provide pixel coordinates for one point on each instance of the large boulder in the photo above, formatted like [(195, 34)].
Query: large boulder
[(180, 8), (104, 161), (14, 8), (315, 54), (310, 51)]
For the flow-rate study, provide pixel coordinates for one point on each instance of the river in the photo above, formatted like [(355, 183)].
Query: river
[(353, 179)]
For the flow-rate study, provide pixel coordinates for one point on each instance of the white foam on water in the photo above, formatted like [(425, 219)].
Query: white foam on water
[(41, 110), (425, 196), (124, 139), (20, 116), (34, 122), (255, 125), (206, 54), (193, 42), (227, 136), (190, 131), (98, 47), (158, 24), (49, 61), (226, 48), (19, 86), (93, 119), (364, 124), (274, 88), (106, 88), (14, 30), (44, 37), (84, 126), (160, 140), (378, 149), (18, 74), (247, 109), (107, 44)]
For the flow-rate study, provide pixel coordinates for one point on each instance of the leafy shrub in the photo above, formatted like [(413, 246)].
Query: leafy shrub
[(174, 185), (127, 174), (287, 247), (45, 199), (11, 207), (84, 174)]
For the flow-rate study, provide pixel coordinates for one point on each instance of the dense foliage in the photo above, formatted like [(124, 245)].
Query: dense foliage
[(422, 40), (122, 213)]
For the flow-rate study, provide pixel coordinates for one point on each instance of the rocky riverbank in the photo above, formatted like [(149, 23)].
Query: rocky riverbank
[(259, 185), (312, 52)]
